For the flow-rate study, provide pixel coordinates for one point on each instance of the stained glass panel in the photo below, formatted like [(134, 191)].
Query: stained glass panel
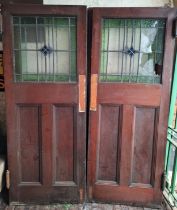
[(44, 49), (132, 50)]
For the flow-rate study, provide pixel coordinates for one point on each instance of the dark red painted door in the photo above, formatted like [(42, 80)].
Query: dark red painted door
[(45, 67), (131, 70)]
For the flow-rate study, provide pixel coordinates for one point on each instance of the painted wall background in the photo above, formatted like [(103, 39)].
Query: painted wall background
[(114, 3)]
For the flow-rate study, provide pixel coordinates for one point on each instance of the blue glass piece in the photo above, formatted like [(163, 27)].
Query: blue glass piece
[(46, 50), (130, 51)]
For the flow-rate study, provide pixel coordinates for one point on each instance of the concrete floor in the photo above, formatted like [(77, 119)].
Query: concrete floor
[(93, 206), (87, 206)]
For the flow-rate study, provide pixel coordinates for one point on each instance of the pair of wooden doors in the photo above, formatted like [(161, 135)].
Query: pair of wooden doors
[(45, 80)]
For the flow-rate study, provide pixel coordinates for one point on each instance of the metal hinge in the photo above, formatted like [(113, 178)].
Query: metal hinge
[(81, 192), (7, 179), (163, 181)]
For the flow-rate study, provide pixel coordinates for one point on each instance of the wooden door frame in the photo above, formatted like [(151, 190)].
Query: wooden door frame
[(10, 86), (98, 13)]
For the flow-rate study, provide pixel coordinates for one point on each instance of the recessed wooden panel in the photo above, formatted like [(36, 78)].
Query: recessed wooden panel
[(143, 145), (64, 131), (29, 136), (108, 143)]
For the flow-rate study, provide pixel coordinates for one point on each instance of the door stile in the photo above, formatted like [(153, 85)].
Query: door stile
[(7, 63), (82, 71), (93, 115), (165, 100), (47, 121), (126, 145)]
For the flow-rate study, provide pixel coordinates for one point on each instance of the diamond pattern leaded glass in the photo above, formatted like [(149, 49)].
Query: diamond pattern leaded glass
[(132, 50), (44, 49)]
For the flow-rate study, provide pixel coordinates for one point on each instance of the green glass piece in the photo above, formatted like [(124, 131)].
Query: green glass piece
[(73, 38), (59, 22), (73, 21)]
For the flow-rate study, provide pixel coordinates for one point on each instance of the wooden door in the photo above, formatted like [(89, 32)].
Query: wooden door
[(131, 70), (45, 68)]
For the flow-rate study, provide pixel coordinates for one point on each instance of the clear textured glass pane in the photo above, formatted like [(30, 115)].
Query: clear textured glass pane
[(62, 38), (28, 61), (63, 62), (40, 39), (132, 50), (28, 37), (25, 63), (45, 49)]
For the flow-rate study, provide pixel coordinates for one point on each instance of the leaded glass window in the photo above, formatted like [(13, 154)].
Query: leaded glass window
[(132, 50), (44, 49)]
